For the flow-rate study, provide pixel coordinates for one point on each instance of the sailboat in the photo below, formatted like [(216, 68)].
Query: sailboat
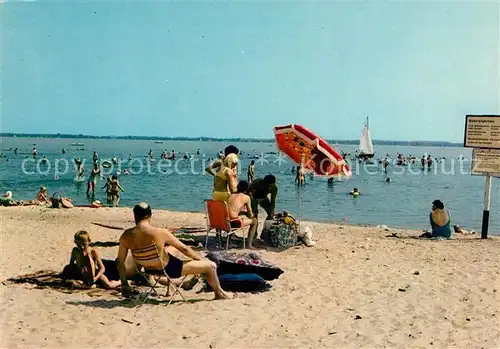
[(365, 143)]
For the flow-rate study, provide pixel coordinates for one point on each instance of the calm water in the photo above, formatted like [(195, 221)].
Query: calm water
[(405, 202)]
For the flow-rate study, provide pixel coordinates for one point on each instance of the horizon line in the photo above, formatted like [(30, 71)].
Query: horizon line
[(205, 138)]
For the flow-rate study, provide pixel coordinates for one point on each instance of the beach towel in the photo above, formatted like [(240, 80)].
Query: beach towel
[(243, 283), (244, 263), (52, 279)]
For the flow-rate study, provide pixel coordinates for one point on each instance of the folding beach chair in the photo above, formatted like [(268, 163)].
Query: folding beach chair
[(151, 254), (217, 215)]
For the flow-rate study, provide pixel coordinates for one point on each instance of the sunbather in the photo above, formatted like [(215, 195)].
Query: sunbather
[(144, 235), (41, 197), (440, 220), (89, 263), (238, 202)]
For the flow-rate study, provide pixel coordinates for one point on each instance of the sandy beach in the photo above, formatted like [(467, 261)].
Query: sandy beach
[(357, 288)]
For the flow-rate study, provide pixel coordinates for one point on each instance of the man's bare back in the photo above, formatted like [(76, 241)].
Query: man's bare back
[(144, 234), (238, 202)]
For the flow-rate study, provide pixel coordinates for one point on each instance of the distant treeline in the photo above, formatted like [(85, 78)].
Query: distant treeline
[(228, 140)]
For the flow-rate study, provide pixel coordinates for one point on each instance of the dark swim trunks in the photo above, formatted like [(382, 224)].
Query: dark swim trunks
[(172, 269)]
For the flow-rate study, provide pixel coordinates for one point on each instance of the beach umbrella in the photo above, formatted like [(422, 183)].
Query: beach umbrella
[(304, 147)]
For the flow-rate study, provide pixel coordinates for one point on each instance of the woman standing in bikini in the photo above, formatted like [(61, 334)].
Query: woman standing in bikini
[(226, 180)]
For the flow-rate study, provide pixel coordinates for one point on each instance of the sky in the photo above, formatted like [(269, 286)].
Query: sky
[(237, 69)]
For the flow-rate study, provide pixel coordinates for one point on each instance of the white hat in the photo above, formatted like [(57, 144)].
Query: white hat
[(8, 195)]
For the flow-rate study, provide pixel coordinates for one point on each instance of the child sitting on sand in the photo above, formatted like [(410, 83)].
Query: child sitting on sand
[(41, 197), (88, 263)]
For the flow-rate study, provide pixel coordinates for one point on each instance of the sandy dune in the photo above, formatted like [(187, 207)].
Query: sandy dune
[(356, 289)]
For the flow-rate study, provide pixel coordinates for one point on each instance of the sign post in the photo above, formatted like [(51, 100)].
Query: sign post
[(482, 132), (486, 209)]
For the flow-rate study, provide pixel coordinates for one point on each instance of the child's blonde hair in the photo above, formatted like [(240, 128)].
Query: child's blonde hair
[(81, 236)]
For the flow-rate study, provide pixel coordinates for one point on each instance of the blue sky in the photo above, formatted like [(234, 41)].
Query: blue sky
[(238, 69)]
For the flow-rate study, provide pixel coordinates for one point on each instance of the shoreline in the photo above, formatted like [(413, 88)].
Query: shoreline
[(389, 226), (357, 288)]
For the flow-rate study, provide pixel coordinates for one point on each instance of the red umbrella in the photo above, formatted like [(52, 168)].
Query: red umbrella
[(304, 147)]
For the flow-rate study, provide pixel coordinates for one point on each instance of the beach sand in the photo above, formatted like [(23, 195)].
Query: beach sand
[(357, 288)]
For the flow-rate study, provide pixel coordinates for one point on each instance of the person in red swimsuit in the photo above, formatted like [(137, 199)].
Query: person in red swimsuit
[(240, 211)]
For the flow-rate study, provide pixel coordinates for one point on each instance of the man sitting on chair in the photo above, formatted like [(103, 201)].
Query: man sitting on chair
[(235, 204), (144, 234)]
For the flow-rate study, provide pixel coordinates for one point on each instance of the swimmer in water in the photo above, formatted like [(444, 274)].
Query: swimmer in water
[(354, 192), (114, 191), (107, 191), (79, 168), (300, 177), (388, 180)]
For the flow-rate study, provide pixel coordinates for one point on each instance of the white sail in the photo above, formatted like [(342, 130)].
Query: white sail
[(365, 142)]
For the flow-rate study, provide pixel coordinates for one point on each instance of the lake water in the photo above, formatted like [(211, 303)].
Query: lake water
[(183, 185)]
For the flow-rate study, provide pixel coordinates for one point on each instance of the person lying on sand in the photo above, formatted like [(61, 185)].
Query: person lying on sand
[(236, 203), (144, 235), (6, 200), (89, 264)]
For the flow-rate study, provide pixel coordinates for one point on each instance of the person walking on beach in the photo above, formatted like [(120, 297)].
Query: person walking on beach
[(95, 157), (251, 171), (144, 234)]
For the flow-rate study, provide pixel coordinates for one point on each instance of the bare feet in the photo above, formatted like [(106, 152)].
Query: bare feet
[(222, 295), (114, 284)]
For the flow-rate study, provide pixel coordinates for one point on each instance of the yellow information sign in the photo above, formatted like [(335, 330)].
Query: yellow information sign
[(486, 162), (482, 131)]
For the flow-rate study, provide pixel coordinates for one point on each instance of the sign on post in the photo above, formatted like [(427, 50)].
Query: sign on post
[(482, 131), (486, 161)]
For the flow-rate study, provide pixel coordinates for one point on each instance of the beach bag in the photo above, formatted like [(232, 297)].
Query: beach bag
[(282, 233), (56, 200)]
